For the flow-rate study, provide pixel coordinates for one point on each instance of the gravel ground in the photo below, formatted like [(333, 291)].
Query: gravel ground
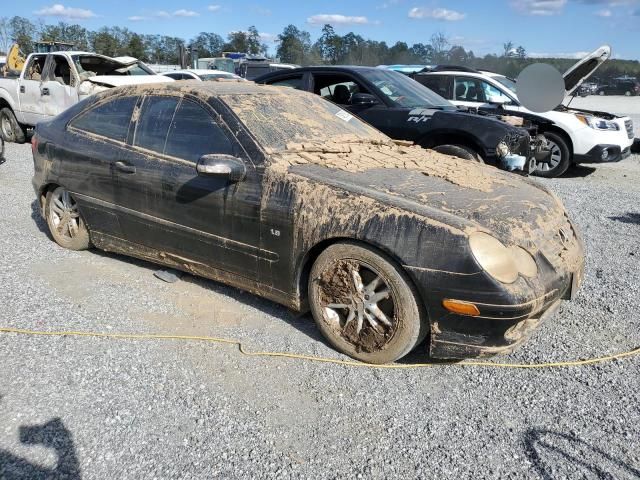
[(99, 408)]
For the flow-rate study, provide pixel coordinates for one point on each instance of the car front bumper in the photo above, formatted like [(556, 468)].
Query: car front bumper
[(603, 154), (506, 313)]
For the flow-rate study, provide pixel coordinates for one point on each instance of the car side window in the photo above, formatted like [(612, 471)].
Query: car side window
[(468, 89), (155, 118), (110, 119), (195, 133), (60, 71), (491, 92), (293, 82), (337, 88), (35, 68), (437, 83), (175, 76)]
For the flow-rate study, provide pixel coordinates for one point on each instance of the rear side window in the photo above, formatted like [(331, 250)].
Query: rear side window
[(293, 82), (110, 119), (194, 133), (153, 125), (436, 83)]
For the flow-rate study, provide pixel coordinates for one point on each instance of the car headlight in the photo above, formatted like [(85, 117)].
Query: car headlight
[(495, 259), (502, 150), (597, 123), (525, 262)]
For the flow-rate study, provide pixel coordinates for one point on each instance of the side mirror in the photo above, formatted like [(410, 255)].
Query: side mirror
[(363, 100), (220, 165), (495, 100)]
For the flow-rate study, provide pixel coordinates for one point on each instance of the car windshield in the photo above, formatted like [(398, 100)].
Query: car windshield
[(94, 65), (403, 91), (277, 120), (507, 82)]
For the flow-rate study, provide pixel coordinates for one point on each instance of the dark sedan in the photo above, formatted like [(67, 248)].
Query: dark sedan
[(283, 194), (406, 110)]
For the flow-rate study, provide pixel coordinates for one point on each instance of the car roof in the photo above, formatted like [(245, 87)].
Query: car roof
[(200, 71), (204, 90)]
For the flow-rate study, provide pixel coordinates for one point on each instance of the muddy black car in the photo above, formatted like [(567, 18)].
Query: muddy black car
[(283, 194), (405, 110)]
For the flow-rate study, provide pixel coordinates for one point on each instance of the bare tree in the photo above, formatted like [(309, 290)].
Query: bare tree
[(508, 49), (439, 44), (5, 36)]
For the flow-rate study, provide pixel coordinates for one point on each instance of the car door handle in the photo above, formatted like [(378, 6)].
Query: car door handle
[(22, 89), (44, 91), (126, 168)]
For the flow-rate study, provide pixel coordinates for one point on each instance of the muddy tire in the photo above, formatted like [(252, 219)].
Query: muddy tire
[(364, 304), (459, 151), (64, 220), (560, 157), (10, 129)]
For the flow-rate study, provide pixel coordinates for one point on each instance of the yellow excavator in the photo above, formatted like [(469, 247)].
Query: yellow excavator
[(15, 60)]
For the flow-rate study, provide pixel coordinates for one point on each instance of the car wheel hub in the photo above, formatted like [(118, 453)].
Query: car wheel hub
[(362, 305), (7, 131), (64, 214), (554, 160)]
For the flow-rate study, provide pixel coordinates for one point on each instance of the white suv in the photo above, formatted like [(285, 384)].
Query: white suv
[(576, 136)]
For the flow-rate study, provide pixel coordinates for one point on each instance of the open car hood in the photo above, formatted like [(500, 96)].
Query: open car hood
[(118, 80), (582, 70)]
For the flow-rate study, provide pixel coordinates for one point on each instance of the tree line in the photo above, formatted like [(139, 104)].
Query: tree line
[(293, 45)]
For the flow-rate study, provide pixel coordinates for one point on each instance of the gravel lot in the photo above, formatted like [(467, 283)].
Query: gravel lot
[(100, 408)]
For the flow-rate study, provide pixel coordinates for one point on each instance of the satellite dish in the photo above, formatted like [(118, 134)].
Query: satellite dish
[(540, 87)]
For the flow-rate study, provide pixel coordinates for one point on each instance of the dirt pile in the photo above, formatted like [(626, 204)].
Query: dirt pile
[(358, 156)]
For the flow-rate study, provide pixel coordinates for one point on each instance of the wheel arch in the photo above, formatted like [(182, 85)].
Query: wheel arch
[(561, 132), (452, 138)]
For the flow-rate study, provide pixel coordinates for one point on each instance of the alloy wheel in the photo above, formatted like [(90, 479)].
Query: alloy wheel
[(64, 214), (554, 161), (358, 304)]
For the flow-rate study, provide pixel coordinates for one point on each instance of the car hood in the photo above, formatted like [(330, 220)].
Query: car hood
[(119, 80), (583, 69), (465, 195)]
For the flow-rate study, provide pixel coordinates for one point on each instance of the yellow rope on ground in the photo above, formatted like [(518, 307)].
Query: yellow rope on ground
[(350, 363)]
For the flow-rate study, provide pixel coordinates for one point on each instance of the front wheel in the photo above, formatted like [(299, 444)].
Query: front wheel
[(364, 305), (459, 151), (560, 157), (10, 128), (65, 223)]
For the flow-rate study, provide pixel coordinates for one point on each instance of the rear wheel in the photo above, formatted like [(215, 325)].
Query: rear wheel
[(460, 151), (627, 93), (65, 223), (560, 157), (10, 128), (364, 304), (601, 93)]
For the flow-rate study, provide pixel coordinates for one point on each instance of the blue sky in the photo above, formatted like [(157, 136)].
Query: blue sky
[(560, 27)]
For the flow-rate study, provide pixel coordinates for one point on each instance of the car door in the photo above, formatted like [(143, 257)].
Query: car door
[(95, 142), (30, 89), (167, 206), (58, 89)]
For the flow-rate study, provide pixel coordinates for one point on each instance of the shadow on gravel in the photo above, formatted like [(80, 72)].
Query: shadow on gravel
[(51, 435), (38, 220), (578, 171), (302, 322), (549, 451), (630, 217)]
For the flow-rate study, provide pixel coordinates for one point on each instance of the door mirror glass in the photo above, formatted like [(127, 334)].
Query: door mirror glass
[(221, 165), (363, 100)]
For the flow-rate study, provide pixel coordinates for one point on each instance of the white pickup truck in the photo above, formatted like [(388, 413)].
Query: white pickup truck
[(51, 82)]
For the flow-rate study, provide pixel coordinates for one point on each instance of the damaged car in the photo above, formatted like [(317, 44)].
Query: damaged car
[(406, 110), (49, 83), (285, 195)]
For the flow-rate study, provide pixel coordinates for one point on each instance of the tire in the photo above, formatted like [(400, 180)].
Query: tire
[(343, 306), (459, 151), (64, 220), (601, 93), (9, 127), (560, 157), (627, 94)]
